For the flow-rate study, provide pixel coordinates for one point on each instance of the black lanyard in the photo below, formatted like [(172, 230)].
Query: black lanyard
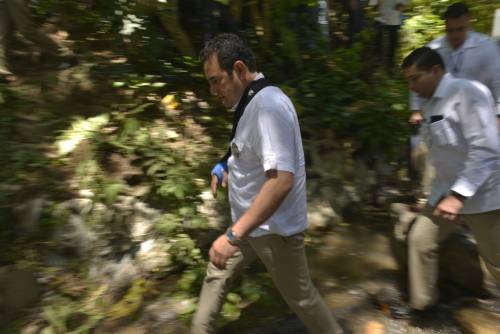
[(252, 89)]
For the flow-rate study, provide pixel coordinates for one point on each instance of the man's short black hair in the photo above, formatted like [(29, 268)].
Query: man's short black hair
[(456, 10), (423, 58), (228, 48)]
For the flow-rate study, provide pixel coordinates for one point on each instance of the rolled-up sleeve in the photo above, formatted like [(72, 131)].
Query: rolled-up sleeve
[(275, 138)]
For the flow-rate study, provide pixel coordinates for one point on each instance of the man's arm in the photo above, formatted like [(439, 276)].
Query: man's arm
[(268, 200), (478, 128), (492, 57)]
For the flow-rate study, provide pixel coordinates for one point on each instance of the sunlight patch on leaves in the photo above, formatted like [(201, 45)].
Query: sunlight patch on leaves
[(80, 130)]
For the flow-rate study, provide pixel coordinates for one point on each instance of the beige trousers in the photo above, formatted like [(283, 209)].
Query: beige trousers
[(420, 161), (423, 245), (285, 260)]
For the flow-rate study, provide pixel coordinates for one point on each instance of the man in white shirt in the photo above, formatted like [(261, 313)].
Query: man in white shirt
[(466, 54), (267, 192), (461, 134), (389, 21)]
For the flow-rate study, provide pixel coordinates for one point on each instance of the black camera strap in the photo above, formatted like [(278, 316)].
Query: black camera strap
[(252, 89)]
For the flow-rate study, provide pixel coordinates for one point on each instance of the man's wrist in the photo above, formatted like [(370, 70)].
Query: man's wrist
[(458, 196), (233, 238)]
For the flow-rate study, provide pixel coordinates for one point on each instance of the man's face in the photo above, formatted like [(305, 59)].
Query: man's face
[(456, 30), (424, 83), (228, 88)]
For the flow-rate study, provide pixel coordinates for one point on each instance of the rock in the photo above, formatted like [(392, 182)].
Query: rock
[(153, 255), (142, 209), (478, 321), (160, 317), (321, 215), (208, 208), (80, 206), (119, 276), (75, 235), (160, 311), (101, 214), (29, 214), (86, 193), (18, 289), (141, 228), (185, 306)]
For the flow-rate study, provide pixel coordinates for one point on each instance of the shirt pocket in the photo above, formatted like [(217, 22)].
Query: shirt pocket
[(241, 151), (441, 133)]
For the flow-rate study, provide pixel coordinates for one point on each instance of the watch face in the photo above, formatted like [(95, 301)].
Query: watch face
[(231, 237)]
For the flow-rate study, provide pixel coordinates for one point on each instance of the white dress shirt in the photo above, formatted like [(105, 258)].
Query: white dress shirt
[(268, 137), (477, 59), (388, 14), (461, 133)]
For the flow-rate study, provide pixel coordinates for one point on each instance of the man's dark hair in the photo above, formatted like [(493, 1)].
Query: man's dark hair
[(423, 58), (456, 10), (228, 48)]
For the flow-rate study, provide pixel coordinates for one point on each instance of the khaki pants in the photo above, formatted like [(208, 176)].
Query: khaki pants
[(15, 13), (423, 245), (285, 259), (419, 160)]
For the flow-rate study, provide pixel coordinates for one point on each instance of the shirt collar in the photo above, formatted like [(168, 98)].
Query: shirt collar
[(443, 85), (257, 77), (470, 42)]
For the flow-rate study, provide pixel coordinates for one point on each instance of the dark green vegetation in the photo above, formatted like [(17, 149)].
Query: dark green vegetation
[(134, 120)]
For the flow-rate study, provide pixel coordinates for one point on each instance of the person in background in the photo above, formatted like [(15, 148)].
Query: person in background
[(460, 131), (267, 190), (389, 22), (356, 18), (15, 14), (466, 54)]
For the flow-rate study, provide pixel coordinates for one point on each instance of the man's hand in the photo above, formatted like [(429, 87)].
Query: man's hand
[(416, 117), (448, 208), (219, 176), (221, 251)]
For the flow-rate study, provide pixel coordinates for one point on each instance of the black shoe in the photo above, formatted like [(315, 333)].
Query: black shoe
[(401, 311), (406, 312)]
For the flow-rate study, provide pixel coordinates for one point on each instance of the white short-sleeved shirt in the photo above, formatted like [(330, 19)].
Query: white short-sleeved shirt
[(464, 147), (388, 14), (268, 137)]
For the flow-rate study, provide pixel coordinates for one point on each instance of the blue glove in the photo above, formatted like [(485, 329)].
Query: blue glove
[(219, 170)]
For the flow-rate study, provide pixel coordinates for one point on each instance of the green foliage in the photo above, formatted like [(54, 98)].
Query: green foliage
[(64, 316), (130, 303), (184, 250), (370, 114)]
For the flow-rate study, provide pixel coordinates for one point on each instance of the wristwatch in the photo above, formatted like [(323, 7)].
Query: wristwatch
[(232, 237)]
